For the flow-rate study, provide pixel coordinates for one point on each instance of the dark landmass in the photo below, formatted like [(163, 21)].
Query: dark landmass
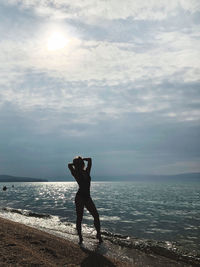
[(9, 178), (184, 177)]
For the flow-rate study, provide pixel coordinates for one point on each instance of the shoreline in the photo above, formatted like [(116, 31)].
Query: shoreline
[(22, 245)]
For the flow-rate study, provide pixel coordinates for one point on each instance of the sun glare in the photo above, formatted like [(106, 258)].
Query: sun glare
[(56, 41)]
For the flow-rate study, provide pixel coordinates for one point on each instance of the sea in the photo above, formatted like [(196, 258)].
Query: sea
[(153, 217)]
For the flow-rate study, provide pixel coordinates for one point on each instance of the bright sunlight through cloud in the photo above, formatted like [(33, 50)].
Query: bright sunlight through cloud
[(56, 41)]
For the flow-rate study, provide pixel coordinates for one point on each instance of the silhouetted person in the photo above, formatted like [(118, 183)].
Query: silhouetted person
[(83, 198), (4, 188)]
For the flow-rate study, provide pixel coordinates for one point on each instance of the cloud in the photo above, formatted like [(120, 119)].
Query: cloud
[(112, 9), (112, 77), (109, 61), (158, 54)]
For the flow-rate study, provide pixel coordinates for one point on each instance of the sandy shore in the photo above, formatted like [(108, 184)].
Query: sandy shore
[(21, 245)]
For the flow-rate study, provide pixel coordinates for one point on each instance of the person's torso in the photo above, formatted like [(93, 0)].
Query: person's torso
[(83, 179)]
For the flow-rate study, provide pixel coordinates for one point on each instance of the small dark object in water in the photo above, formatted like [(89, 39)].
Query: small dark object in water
[(4, 188)]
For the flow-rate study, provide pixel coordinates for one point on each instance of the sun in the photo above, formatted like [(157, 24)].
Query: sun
[(56, 41)]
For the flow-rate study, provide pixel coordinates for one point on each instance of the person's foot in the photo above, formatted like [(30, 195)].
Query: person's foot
[(80, 240), (98, 236)]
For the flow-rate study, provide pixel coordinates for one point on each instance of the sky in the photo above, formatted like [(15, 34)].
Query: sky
[(118, 81)]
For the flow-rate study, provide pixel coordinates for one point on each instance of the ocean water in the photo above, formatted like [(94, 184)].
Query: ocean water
[(165, 214)]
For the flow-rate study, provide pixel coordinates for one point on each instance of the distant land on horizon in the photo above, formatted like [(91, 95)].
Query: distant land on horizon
[(9, 178), (113, 178)]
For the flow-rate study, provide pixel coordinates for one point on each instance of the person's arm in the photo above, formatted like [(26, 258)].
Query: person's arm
[(71, 168), (89, 164)]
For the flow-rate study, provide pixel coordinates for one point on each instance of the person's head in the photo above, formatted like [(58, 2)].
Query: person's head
[(78, 163)]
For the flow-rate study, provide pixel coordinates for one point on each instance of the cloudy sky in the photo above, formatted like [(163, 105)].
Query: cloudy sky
[(115, 80)]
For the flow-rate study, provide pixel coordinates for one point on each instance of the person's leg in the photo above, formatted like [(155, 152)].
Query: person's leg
[(79, 213), (90, 206)]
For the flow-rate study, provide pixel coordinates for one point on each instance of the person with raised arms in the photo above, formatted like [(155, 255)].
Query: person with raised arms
[(83, 198)]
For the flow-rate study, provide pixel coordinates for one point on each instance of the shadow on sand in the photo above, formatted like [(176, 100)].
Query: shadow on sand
[(95, 260)]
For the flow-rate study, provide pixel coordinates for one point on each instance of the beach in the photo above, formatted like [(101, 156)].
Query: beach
[(21, 245)]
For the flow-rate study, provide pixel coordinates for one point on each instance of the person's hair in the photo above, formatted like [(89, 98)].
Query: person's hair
[(78, 162)]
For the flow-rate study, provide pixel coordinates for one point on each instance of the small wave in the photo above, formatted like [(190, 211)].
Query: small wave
[(27, 213), (110, 218), (113, 235)]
